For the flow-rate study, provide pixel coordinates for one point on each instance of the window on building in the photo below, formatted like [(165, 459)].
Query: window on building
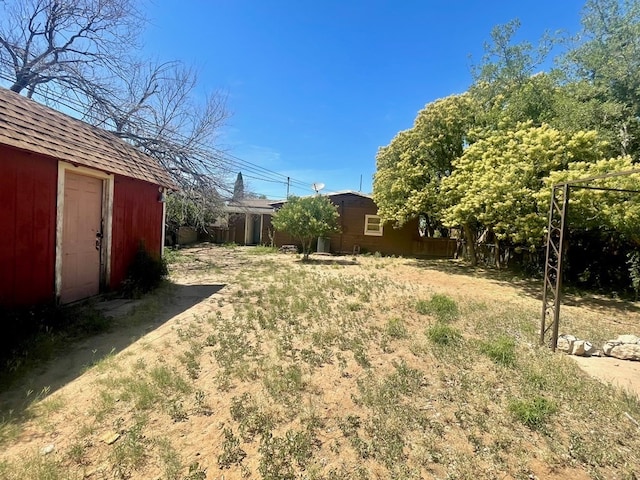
[(372, 225)]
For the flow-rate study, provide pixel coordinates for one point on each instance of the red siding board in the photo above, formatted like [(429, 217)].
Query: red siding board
[(28, 185), (137, 217)]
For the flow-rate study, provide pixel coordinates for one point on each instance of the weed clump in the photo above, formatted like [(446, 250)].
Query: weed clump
[(278, 454), (502, 350), (231, 454), (252, 419), (145, 273), (534, 412), (442, 307), (396, 329), (443, 334)]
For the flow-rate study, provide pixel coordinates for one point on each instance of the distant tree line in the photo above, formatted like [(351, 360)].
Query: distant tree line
[(483, 161)]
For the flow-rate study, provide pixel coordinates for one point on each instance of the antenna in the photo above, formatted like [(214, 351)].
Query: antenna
[(317, 186)]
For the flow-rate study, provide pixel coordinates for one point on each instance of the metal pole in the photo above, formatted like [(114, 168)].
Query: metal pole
[(561, 250), (555, 251), (545, 284)]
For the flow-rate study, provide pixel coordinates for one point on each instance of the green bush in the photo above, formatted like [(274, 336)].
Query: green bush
[(145, 273)]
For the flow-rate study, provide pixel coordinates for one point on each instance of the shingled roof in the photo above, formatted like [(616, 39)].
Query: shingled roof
[(33, 127)]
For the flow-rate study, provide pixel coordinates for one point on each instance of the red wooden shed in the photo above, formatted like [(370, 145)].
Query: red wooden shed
[(75, 204)]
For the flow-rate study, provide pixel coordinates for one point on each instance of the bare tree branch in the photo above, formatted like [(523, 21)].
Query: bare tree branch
[(80, 49), (38, 38)]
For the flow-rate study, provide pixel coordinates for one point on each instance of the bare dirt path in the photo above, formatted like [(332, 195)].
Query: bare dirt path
[(621, 373)]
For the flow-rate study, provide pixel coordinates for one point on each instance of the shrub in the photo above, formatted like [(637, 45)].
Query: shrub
[(145, 273)]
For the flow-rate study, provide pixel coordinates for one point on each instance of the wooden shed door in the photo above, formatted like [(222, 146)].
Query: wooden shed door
[(81, 237)]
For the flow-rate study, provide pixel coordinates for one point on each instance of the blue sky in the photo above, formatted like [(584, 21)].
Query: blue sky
[(315, 88)]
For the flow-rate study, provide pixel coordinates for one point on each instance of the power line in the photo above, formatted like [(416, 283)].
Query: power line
[(261, 173)]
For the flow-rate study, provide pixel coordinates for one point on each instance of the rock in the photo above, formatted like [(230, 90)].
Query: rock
[(590, 349), (565, 343), (582, 348), (608, 346), (624, 351), (628, 339), (47, 450), (625, 347), (110, 438)]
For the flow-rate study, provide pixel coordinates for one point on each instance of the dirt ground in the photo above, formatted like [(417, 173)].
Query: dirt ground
[(621, 373), (200, 291), (196, 292)]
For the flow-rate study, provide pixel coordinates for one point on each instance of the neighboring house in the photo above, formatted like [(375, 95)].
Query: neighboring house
[(249, 221), (75, 204), (361, 230)]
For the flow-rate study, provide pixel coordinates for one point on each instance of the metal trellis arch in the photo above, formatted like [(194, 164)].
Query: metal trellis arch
[(556, 248)]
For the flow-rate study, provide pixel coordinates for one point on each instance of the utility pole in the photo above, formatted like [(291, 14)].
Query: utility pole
[(360, 183), (288, 184)]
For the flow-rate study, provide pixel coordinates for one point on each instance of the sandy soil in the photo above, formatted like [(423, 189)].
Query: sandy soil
[(621, 373)]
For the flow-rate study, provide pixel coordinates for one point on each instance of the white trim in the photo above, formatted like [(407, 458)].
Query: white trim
[(374, 233), (164, 221), (247, 217), (107, 216), (261, 229), (107, 219)]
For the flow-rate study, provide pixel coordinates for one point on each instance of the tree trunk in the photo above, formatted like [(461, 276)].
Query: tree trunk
[(306, 249), (470, 239)]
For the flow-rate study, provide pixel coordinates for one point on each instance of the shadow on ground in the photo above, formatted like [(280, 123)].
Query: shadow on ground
[(130, 323), (327, 260), (530, 286)]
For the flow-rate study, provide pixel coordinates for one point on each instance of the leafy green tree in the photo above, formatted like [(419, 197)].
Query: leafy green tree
[(608, 59), (307, 218), (579, 105), (504, 62), (479, 160), (192, 209), (494, 184), (409, 169), (604, 225), (608, 210), (507, 82)]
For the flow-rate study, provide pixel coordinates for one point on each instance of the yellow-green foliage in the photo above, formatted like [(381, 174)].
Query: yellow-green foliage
[(410, 168), (611, 210), (498, 179)]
